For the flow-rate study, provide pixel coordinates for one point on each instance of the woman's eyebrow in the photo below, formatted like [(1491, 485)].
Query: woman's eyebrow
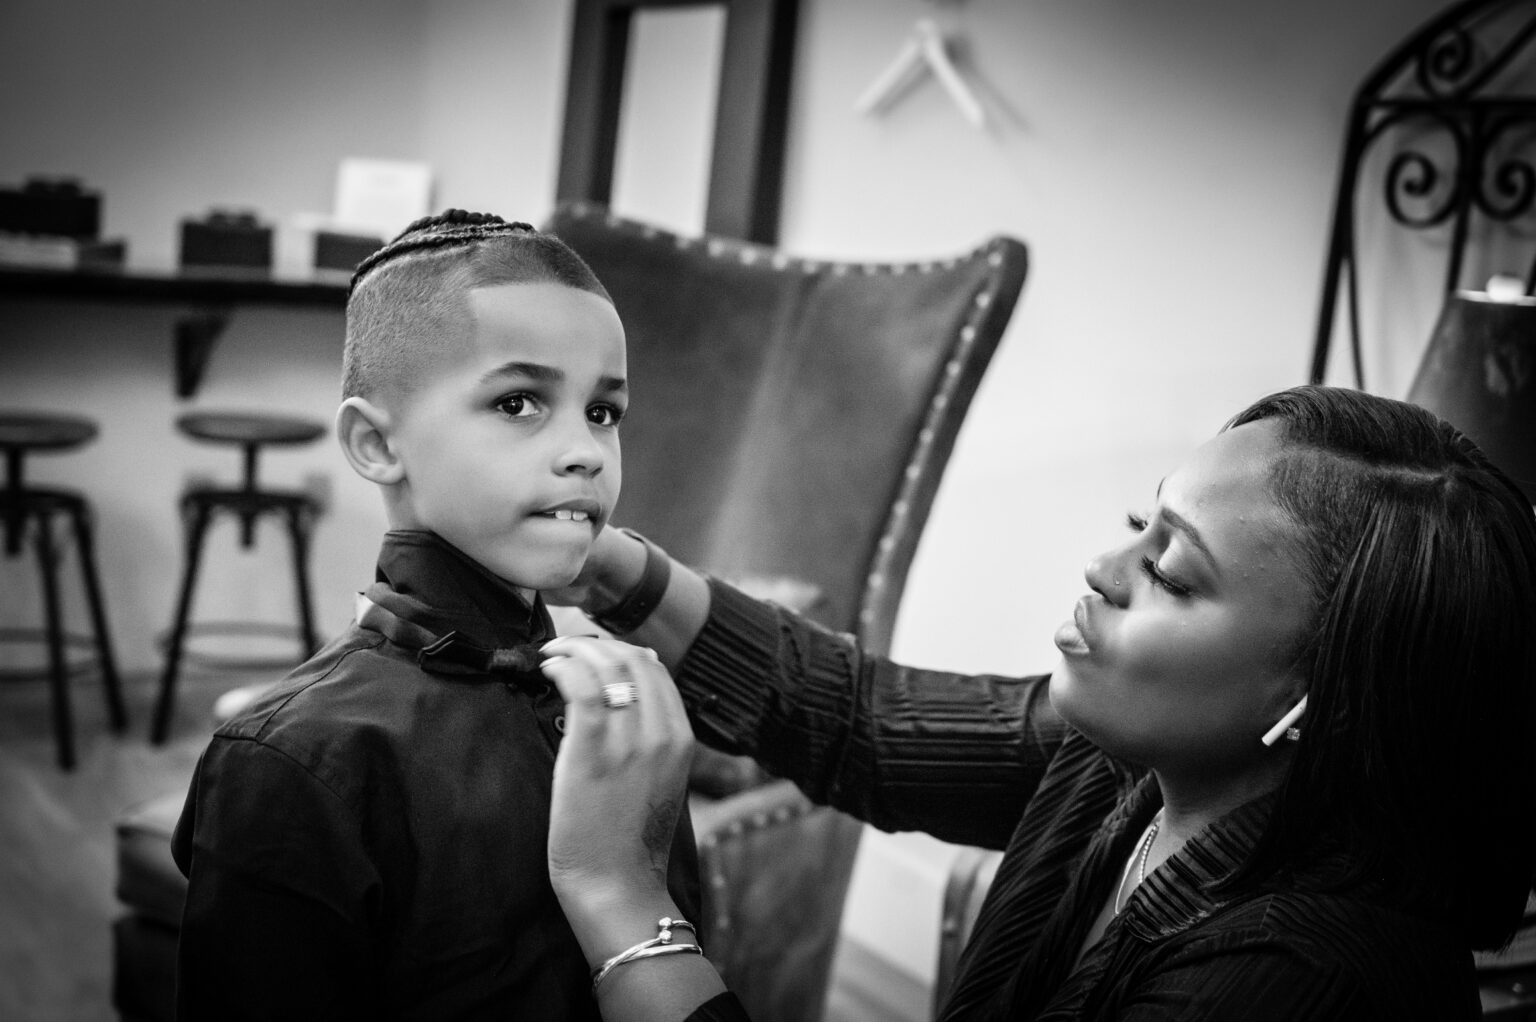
[(1182, 524)]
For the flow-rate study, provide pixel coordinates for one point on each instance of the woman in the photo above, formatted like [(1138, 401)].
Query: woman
[(1282, 772)]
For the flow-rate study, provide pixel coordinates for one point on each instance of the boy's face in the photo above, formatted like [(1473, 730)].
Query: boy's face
[(511, 445)]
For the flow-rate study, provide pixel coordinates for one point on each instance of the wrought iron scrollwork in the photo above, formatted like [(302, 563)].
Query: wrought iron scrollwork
[(1419, 189), (1450, 123), (1447, 64), (1507, 187)]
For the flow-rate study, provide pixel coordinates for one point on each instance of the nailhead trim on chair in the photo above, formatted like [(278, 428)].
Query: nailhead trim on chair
[(716, 877), (920, 464)]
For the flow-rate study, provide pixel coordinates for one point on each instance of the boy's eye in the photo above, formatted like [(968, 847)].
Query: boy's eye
[(605, 415), (517, 405)]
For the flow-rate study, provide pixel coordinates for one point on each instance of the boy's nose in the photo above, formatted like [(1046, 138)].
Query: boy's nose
[(580, 453), (583, 467)]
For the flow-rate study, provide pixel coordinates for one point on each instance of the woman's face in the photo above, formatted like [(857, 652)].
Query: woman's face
[(1181, 656)]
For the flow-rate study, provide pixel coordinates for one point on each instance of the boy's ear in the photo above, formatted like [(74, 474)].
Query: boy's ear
[(363, 429)]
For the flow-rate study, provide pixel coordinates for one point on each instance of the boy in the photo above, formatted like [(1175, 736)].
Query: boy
[(368, 839)]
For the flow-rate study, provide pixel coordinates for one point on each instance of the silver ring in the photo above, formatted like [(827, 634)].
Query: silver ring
[(619, 694)]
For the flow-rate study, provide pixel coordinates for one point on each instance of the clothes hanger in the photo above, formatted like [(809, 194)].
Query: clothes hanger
[(924, 49)]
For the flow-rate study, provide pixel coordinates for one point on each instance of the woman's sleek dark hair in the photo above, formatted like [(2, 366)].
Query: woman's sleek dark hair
[(1417, 759)]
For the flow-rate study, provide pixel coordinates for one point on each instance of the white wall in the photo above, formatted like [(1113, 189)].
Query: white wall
[(171, 108), (1170, 165)]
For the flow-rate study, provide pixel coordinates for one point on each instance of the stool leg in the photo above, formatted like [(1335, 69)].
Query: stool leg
[(298, 530), (86, 547), (58, 677), (197, 527), (15, 503)]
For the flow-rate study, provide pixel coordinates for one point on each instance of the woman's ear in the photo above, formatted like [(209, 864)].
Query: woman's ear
[(364, 431)]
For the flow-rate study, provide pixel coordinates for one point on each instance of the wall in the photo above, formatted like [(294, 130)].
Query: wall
[(1170, 166), (172, 108)]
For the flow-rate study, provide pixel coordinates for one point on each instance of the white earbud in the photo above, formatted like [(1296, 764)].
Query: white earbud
[(1283, 725)]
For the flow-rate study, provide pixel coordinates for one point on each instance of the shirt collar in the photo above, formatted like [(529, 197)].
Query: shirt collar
[(431, 597), (1178, 894)]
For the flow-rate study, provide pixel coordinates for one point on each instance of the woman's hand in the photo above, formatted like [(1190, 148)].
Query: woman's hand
[(620, 775), (619, 788)]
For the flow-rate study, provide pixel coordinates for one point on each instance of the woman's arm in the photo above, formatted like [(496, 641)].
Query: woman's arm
[(903, 748), (614, 570), (618, 791)]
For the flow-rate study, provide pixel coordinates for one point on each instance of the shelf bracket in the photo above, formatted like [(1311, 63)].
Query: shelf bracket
[(195, 337)]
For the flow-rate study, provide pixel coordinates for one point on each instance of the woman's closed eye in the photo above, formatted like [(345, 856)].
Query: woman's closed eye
[(1138, 523), (1150, 569)]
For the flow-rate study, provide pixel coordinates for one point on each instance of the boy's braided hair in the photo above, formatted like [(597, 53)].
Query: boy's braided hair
[(406, 300), (450, 227)]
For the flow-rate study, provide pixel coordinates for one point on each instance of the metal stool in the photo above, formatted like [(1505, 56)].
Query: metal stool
[(248, 503), (21, 505)]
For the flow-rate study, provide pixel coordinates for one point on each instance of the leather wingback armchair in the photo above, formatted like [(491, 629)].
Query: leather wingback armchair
[(791, 419)]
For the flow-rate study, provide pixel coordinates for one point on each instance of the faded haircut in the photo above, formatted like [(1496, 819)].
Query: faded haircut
[(407, 300)]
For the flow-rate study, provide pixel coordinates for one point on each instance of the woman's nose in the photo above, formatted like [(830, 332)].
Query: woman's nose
[(1108, 576)]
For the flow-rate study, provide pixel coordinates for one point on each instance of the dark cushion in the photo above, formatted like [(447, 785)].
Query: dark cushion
[(148, 881), (143, 970)]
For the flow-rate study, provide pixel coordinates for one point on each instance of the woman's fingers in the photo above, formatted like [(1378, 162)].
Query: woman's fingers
[(621, 770), (611, 672), (614, 688)]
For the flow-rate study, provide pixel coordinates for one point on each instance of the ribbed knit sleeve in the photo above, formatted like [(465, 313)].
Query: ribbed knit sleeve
[(721, 1008), (954, 755)]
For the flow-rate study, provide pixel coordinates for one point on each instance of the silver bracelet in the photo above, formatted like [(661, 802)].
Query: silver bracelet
[(661, 944)]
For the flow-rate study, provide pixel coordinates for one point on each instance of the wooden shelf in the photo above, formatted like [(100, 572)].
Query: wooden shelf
[(210, 295), (199, 287)]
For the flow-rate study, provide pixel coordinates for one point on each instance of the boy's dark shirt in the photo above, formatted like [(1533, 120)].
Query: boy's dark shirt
[(368, 840)]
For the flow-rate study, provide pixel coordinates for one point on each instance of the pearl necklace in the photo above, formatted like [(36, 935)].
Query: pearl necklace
[(1139, 860)]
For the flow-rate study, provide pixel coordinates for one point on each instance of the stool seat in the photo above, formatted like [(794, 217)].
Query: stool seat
[(28, 431), (249, 428)]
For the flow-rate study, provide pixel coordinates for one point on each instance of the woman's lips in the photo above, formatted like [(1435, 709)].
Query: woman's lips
[(1069, 637)]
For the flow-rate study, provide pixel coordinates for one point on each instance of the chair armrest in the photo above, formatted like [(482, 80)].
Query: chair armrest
[(775, 868), (970, 877)]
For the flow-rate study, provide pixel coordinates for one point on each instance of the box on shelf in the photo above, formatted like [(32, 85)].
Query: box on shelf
[(53, 206), (61, 253), (337, 251), (226, 238)]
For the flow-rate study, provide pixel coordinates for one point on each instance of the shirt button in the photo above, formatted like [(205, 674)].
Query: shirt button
[(560, 724)]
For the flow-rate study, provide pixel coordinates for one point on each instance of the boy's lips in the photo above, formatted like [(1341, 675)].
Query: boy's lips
[(573, 511)]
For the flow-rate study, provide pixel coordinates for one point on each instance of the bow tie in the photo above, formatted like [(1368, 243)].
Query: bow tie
[(450, 653)]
